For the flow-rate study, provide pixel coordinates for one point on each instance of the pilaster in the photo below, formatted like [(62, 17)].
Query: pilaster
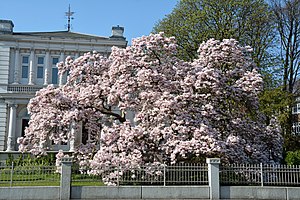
[(47, 68), (61, 59), (72, 140), (11, 140), (17, 67), (31, 68)]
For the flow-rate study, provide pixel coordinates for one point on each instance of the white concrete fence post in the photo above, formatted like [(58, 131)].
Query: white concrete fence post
[(65, 179), (213, 178)]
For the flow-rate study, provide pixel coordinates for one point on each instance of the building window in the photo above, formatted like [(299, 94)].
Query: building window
[(24, 71), (40, 67), (54, 71), (55, 61), (296, 109), (40, 60), (85, 134), (25, 66), (40, 72), (54, 75), (24, 125), (296, 128)]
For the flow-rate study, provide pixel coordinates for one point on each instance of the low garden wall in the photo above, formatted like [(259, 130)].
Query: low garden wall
[(140, 192), (150, 192), (259, 192), (29, 192)]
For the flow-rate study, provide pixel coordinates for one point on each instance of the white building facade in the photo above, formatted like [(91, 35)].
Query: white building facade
[(28, 63), (296, 117)]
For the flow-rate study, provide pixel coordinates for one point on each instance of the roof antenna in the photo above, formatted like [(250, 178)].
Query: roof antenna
[(69, 15)]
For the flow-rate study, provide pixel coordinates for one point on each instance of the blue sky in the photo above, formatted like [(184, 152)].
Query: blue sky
[(94, 17)]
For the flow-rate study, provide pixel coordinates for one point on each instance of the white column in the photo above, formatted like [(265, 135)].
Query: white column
[(72, 140), (17, 67), (47, 68), (31, 68), (12, 127), (61, 59)]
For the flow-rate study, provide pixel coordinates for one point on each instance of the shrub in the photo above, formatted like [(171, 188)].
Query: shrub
[(29, 160), (293, 157)]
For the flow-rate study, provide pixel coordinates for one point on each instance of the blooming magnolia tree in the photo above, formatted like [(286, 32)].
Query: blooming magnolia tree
[(183, 111)]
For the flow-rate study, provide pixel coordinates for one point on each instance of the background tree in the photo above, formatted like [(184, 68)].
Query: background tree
[(287, 19), (184, 111), (276, 102), (248, 21)]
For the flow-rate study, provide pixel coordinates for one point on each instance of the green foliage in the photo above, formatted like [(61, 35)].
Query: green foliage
[(29, 160), (248, 21), (195, 21), (276, 102), (291, 142), (293, 157)]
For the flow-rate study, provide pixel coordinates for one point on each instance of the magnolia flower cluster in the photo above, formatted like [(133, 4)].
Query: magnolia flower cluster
[(180, 111)]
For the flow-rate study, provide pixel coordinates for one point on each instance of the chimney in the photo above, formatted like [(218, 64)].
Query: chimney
[(6, 26), (117, 32)]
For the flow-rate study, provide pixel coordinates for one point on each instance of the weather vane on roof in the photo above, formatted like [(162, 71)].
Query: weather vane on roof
[(69, 15)]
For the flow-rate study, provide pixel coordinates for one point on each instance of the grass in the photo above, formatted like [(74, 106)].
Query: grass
[(29, 179), (50, 183), (86, 180), (37, 178), (85, 183), (31, 183)]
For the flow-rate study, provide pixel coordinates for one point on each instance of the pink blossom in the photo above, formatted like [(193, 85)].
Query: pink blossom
[(144, 106)]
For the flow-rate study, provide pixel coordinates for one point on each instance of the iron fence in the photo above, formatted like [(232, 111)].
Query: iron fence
[(82, 177), (179, 174), (260, 174), (29, 175)]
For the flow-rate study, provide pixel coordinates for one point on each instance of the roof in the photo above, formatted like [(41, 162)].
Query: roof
[(7, 21), (60, 34)]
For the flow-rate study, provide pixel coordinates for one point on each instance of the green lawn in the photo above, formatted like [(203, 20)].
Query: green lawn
[(50, 183), (86, 180), (89, 183), (30, 183), (49, 179)]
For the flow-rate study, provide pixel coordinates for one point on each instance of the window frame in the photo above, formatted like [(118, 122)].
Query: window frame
[(25, 65), (54, 67), (40, 66)]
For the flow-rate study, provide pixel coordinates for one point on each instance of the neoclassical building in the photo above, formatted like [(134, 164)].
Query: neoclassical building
[(28, 63), (296, 117)]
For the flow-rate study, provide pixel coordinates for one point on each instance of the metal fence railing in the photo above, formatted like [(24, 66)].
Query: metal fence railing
[(179, 174), (29, 176), (282, 175), (260, 174), (80, 177)]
